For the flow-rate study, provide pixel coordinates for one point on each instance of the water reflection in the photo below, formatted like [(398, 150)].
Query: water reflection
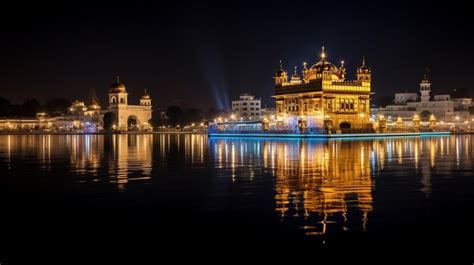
[(325, 185), (314, 180), (319, 186)]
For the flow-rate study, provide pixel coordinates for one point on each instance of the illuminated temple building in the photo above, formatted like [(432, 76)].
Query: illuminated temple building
[(321, 98)]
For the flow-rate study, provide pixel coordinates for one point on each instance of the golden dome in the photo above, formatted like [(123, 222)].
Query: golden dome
[(94, 106), (295, 76), (118, 87), (363, 68), (146, 95), (324, 65), (281, 72)]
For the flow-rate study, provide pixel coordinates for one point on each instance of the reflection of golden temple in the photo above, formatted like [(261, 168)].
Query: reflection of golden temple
[(327, 180), (313, 179)]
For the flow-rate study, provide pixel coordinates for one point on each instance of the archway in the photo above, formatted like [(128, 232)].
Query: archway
[(425, 115), (345, 125), (132, 123)]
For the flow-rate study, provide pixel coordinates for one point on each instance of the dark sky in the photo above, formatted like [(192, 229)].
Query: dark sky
[(204, 54)]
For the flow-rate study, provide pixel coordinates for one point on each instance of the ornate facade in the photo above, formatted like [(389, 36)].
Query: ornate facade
[(129, 117), (322, 98)]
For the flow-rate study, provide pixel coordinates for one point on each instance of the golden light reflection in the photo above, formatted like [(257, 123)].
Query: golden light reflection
[(323, 185), (328, 185), (131, 159)]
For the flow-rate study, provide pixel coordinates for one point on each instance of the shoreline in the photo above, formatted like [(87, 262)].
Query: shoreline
[(94, 133), (332, 136), (259, 135)]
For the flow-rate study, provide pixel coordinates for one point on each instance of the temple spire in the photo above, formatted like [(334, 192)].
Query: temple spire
[(363, 61), (281, 65), (296, 68), (118, 79), (323, 53)]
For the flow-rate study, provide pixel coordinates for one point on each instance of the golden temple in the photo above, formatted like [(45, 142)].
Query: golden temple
[(322, 98)]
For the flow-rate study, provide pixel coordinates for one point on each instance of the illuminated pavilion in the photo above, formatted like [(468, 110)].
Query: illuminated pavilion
[(322, 98)]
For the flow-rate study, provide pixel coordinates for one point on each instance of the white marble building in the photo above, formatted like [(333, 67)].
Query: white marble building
[(247, 107), (129, 117), (424, 103)]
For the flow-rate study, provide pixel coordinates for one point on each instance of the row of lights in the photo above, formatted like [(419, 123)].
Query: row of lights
[(233, 117)]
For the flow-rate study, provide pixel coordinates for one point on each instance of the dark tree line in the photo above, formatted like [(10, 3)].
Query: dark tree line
[(175, 115), (29, 108)]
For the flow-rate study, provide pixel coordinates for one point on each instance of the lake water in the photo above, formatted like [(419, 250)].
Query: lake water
[(140, 192)]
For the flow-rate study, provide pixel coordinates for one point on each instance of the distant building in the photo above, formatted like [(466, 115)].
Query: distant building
[(81, 117), (90, 118), (129, 117), (403, 98), (26, 124), (247, 107), (425, 103)]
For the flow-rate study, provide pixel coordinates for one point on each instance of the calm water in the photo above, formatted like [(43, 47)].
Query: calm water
[(186, 190)]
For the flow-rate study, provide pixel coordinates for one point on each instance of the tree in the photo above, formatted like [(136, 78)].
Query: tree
[(4, 107), (57, 106), (30, 107), (110, 119), (174, 115), (192, 115)]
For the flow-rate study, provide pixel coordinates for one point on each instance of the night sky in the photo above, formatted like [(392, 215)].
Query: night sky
[(205, 54)]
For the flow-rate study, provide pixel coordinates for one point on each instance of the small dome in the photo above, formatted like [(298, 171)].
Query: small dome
[(281, 72), (146, 95), (295, 76), (118, 88), (363, 68), (94, 106)]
